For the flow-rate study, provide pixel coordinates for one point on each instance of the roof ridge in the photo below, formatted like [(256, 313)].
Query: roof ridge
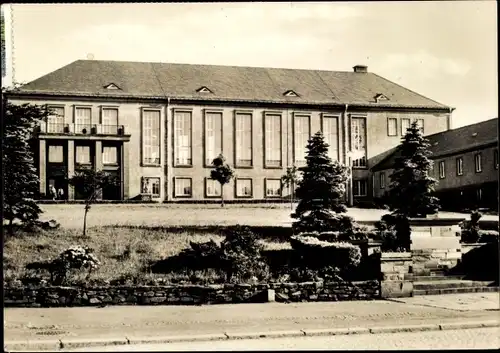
[(461, 127), (406, 88)]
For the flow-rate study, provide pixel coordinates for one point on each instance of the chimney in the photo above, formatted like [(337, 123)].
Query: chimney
[(360, 68)]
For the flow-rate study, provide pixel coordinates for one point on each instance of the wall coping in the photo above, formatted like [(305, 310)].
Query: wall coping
[(435, 221), (395, 256)]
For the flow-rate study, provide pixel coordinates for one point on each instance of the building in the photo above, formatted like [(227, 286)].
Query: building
[(157, 126), (465, 164)]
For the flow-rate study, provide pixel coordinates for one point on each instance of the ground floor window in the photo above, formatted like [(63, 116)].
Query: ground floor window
[(359, 187), (212, 188), (273, 187), (151, 186), (243, 187), (182, 187)]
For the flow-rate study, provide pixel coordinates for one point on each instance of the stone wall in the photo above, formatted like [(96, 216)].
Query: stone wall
[(397, 275), (426, 261), (190, 294)]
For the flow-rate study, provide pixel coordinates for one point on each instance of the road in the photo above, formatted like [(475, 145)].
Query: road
[(486, 338)]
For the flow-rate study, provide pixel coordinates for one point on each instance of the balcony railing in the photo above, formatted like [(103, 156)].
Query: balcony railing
[(81, 129)]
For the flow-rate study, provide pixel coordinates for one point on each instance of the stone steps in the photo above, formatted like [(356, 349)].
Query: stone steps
[(437, 278), (455, 290), (449, 284)]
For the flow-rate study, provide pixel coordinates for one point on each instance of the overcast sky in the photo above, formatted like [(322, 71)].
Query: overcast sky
[(446, 51)]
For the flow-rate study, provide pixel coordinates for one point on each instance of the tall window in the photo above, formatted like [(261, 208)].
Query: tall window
[(359, 187), (213, 136), (151, 186), (273, 187), (182, 138), (243, 187), (82, 154), (55, 121), (109, 120), (442, 170), (212, 188), (302, 132), (272, 131), (56, 154), (151, 137), (477, 163), (358, 140), (420, 124), (182, 187), (495, 159), (330, 132), (405, 125), (83, 119), (392, 127), (382, 180), (109, 155), (460, 166), (243, 139)]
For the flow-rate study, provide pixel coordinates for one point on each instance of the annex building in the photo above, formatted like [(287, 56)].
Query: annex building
[(158, 126)]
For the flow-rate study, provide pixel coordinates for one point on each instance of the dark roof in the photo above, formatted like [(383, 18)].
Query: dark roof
[(454, 141), (227, 83)]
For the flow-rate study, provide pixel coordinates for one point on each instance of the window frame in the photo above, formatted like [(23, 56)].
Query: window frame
[(337, 118), (175, 187), (205, 114), (49, 116), (90, 162), (395, 120), (236, 189), (382, 180), (403, 133), (143, 163), (174, 137), (153, 195), (296, 115), (75, 109), (235, 138), (117, 155), (459, 164), (478, 167), (105, 128), (359, 181), (265, 135), (266, 181), (363, 118), (207, 195), (48, 153), (422, 126), (442, 170)]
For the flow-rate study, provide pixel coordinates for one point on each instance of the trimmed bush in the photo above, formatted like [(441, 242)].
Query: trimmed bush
[(488, 236)]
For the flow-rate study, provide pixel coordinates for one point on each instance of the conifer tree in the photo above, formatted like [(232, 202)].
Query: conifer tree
[(411, 188), (321, 190)]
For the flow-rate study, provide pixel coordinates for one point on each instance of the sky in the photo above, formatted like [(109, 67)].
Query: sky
[(445, 50)]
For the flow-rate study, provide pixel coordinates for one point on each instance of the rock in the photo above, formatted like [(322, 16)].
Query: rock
[(281, 297), (313, 297), (94, 301)]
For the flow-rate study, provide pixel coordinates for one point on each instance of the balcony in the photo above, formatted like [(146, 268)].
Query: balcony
[(47, 128)]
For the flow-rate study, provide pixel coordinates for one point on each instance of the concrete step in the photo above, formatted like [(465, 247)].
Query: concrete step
[(450, 283), (417, 292), (437, 278)]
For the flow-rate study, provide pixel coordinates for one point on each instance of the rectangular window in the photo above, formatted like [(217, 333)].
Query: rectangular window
[(392, 127), (82, 155), (441, 170), (359, 188), (243, 139), (56, 154), (460, 166), (382, 180), (182, 138), (302, 133), (109, 121), (151, 186), (405, 125), (55, 121), (243, 187), (495, 158), (83, 119), (212, 188), (330, 132), (213, 136), (151, 137), (273, 187), (109, 155), (477, 163), (358, 140), (420, 124), (182, 187), (272, 140)]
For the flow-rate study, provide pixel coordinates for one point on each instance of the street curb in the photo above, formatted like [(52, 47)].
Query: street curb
[(65, 344)]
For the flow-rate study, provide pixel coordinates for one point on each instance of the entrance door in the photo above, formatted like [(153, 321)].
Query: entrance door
[(57, 188), (113, 192)]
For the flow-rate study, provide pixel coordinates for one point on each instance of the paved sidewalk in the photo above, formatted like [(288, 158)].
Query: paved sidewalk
[(36, 325)]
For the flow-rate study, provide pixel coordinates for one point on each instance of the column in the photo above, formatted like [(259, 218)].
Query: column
[(42, 167), (125, 171), (71, 167)]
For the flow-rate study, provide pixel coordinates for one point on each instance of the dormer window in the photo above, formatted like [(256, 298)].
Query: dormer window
[(290, 93), (111, 86), (381, 98), (203, 89)]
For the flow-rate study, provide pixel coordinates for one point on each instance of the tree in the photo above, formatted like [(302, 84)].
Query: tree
[(290, 179), (321, 190), (90, 183), (411, 187), (20, 178), (223, 173)]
